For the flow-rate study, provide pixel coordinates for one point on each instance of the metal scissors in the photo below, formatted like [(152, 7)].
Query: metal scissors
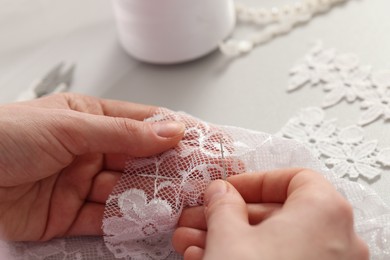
[(54, 81)]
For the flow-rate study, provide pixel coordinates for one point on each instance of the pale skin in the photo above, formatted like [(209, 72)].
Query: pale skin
[(290, 214), (60, 157)]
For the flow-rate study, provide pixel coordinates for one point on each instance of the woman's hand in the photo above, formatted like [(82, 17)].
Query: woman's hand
[(60, 157), (291, 214)]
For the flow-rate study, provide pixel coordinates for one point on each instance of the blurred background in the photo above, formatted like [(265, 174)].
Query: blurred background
[(248, 92)]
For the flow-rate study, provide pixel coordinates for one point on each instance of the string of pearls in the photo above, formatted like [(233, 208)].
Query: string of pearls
[(274, 22)]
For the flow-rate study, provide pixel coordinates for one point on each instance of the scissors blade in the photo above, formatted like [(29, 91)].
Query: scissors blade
[(67, 76), (49, 80)]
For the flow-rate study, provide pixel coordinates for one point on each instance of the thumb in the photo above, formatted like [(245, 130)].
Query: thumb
[(84, 133), (226, 214)]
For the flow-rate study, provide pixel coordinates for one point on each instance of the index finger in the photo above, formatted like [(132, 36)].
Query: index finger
[(108, 107), (125, 109), (93, 105)]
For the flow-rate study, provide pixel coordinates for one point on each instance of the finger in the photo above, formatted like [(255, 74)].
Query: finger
[(103, 185), (305, 194), (362, 252), (267, 187), (184, 237), (115, 162), (84, 133), (226, 211), (274, 186), (135, 111), (260, 212), (71, 187), (94, 105), (88, 221), (194, 217), (194, 253)]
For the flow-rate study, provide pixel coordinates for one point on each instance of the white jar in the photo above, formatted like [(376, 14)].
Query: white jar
[(172, 31)]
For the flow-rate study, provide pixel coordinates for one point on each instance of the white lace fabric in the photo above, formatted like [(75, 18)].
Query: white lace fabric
[(343, 78), (344, 150), (76, 248), (145, 205)]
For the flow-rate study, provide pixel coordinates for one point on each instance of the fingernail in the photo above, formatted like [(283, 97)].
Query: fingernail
[(215, 190), (168, 129)]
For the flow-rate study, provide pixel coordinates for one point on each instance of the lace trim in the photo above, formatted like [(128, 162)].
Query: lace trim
[(343, 78), (344, 150)]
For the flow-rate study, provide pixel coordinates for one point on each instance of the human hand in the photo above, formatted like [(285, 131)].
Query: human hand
[(60, 157), (296, 215)]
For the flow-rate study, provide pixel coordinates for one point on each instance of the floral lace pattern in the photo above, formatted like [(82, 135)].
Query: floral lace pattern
[(77, 248), (145, 205), (140, 219), (343, 78), (344, 150)]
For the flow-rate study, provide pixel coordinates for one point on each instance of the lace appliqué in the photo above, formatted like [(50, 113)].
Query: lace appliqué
[(343, 78), (344, 150)]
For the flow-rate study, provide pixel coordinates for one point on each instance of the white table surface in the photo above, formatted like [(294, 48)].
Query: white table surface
[(249, 92)]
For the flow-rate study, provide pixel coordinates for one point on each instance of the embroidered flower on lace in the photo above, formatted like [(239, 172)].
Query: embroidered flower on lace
[(376, 105), (313, 69), (343, 78), (344, 150), (140, 218), (310, 128)]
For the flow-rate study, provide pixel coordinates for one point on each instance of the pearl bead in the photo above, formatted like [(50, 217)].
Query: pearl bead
[(245, 46), (323, 8), (287, 10), (265, 15), (244, 16), (324, 2), (252, 13), (304, 17), (285, 27), (239, 7), (275, 14), (229, 48), (272, 30), (299, 7), (260, 37)]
